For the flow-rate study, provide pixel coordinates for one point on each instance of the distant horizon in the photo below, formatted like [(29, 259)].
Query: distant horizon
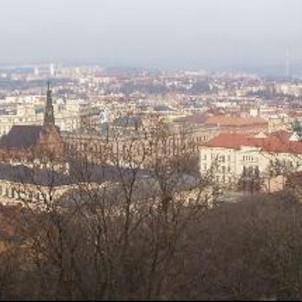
[(257, 68), (164, 34)]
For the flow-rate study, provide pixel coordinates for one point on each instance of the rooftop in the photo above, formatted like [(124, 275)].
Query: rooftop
[(234, 121), (277, 142), (21, 137)]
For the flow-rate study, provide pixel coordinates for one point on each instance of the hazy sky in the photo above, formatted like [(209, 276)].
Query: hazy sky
[(179, 32)]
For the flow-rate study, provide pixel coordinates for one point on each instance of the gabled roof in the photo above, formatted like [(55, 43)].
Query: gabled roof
[(281, 134), (21, 137), (228, 140), (277, 142)]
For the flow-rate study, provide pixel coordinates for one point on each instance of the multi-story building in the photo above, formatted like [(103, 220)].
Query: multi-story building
[(24, 114), (230, 156), (71, 115)]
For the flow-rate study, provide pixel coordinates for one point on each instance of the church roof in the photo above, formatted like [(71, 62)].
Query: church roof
[(21, 137)]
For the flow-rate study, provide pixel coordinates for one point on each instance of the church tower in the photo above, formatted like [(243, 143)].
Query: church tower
[(50, 138), (49, 120)]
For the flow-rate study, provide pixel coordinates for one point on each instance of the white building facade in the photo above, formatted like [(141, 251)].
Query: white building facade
[(224, 161)]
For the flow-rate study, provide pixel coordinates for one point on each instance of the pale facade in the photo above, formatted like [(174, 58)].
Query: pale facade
[(25, 115), (226, 165), (68, 116), (33, 195), (279, 123)]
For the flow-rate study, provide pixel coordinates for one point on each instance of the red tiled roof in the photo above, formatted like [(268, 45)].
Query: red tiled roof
[(277, 142), (237, 121), (228, 140), (281, 135)]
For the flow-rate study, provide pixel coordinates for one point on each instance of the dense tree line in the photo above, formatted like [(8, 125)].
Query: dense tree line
[(247, 250)]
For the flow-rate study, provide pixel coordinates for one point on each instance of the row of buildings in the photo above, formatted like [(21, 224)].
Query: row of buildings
[(71, 115)]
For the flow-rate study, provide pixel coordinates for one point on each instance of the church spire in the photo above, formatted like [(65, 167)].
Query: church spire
[(49, 120)]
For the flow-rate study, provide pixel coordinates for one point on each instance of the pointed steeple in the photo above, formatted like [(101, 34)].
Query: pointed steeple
[(49, 120)]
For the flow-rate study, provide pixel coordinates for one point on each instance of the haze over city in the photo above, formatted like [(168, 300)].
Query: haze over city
[(170, 33)]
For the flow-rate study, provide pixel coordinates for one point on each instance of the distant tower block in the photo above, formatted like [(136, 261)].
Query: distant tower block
[(36, 71), (52, 69)]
